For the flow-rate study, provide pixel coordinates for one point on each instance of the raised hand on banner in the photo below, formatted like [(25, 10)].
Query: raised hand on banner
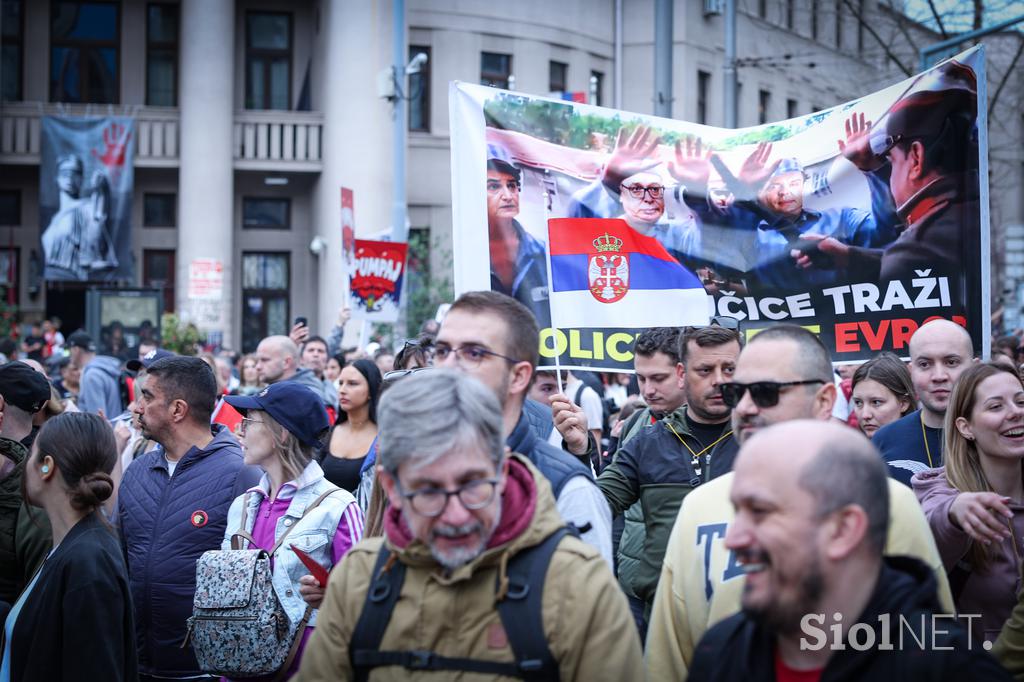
[(633, 153), (115, 141), (836, 254), (756, 170), (570, 422), (857, 147), (692, 165)]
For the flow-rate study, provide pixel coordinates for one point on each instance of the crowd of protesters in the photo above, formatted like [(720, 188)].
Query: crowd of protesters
[(681, 521)]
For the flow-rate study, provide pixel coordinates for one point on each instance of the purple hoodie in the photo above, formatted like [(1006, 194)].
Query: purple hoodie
[(992, 593)]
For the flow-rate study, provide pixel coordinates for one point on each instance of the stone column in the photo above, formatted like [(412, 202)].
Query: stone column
[(352, 45), (206, 175)]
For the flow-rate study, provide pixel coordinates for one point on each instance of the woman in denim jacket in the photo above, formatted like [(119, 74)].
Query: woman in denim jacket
[(281, 429)]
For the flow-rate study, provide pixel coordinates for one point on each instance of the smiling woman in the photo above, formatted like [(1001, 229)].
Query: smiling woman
[(975, 504)]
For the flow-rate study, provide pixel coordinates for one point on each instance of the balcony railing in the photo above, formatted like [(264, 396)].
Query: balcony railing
[(262, 140)]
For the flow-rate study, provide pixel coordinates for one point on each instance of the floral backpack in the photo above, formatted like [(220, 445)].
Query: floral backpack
[(238, 626)]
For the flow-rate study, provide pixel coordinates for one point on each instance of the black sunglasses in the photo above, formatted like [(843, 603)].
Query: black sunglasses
[(763, 393)]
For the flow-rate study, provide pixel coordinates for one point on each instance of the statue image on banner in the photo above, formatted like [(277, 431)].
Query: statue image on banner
[(77, 243), (86, 181)]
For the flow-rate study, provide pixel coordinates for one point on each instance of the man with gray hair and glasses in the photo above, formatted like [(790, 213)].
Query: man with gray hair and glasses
[(491, 580)]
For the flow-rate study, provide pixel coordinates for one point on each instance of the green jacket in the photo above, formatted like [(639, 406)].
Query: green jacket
[(24, 541), (631, 543), (655, 469), (1009, 648)]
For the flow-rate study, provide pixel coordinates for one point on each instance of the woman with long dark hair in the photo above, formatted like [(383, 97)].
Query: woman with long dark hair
[(975, 503), (74, 619), (354, 438), (882, 392)]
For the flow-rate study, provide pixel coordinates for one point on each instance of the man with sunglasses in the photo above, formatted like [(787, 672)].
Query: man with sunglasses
[(494, 338), (930, 146), (476, 572), (784, 373), (665, 462)]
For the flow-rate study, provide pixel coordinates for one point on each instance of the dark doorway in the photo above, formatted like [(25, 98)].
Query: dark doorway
[(66, 301)]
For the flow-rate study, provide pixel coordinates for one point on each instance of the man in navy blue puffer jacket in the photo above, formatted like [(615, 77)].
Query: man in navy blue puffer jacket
[(173, 505)]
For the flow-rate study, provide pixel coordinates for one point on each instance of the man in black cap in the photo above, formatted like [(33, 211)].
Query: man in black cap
[(23, 541), (101, 377), (23, 392)]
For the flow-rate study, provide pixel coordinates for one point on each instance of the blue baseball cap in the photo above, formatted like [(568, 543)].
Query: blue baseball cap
[(292, 405), (789, 165), (148, 359)]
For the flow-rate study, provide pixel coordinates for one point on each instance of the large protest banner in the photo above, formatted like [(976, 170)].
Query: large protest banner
[(860, 222), (86, 179)]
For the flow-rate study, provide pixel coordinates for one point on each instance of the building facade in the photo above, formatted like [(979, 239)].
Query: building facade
[(252, 114)]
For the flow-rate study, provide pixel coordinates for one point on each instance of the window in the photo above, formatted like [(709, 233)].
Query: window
[(266, 213), (268, 60), (84, 52), (791, 108), (162, 55), (158, 273), (597, 88), (558, 77), (764, 104), (265, 285), (703, 85), (11, 56), (419, 92), (10, 207), (789, 13), (9, 275), (814, 19), (495, 69), (159, 210)]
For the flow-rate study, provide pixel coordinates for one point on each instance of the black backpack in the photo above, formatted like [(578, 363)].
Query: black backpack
[(520, 613)]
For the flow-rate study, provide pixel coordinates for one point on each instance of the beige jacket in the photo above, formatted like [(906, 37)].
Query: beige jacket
[(701, 584), (586, 618)]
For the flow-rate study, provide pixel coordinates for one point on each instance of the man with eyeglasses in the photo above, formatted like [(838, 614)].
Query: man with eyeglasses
[(494, 338), (784, 373), (476, 572), (518, 265)]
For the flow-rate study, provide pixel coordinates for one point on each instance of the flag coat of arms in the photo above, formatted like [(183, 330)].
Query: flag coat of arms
[(606, 274)]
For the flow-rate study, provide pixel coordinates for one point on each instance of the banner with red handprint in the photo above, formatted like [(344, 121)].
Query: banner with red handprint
[(860, 222), (86, 181), (375, 282)]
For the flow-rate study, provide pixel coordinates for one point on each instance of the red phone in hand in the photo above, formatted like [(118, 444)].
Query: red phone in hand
[(315, 569)]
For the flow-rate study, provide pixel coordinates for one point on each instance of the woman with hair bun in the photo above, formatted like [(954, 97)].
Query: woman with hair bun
[(74, 619)]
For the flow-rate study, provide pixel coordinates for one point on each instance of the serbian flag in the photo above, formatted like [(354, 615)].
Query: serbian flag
[(606, 274)]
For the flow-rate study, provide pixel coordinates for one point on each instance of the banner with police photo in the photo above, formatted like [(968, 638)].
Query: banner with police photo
[(860, 222), (86, 179)]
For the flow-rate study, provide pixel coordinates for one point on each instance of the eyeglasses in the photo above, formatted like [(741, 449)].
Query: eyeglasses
[(397, 374), (493, 186), (474, 495), (725, 322), (638, 191), (763, 393), (244, 424), (468, 355)]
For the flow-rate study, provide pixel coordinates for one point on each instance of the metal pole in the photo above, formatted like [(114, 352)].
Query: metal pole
[(927, 52), (663, 58), (618, 54), (399, 232), (729, 73)]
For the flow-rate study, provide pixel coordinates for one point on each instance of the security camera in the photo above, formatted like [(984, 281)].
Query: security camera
[(416, 63), (318, 245)]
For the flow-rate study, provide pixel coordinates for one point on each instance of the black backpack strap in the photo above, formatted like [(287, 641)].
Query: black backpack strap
[(579, 394), (521, 610), (385, 586)]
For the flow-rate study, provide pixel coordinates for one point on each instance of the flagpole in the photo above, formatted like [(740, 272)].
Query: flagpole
[(551, 310)]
